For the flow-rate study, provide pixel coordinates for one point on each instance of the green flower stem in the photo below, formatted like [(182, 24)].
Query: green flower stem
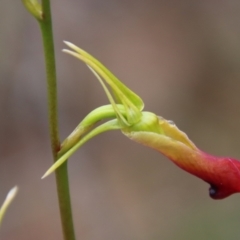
[(62, 172)]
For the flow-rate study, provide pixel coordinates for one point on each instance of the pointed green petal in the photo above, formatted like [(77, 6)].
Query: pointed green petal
[(119, 116), (163, 136), (171, 148), (132, 102), (172, 131), (136, 100), (133, 113), (110, 125)]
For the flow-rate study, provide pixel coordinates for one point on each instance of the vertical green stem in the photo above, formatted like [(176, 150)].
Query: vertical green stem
[(62, 172)]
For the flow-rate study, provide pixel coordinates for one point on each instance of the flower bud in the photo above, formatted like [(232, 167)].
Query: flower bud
[(34, 8)]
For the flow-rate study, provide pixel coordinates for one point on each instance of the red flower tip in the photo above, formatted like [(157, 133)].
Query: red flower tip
[(222, 173)]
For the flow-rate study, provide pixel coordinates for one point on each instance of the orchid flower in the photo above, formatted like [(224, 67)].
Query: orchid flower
[(126, 114)]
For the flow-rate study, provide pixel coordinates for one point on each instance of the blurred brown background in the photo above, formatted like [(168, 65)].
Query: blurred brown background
[(181, 57)]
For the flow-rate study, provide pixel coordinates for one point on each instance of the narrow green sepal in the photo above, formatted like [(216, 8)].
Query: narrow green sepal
[(122, 120), (131, 101), (110, 125), (135, 99)]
